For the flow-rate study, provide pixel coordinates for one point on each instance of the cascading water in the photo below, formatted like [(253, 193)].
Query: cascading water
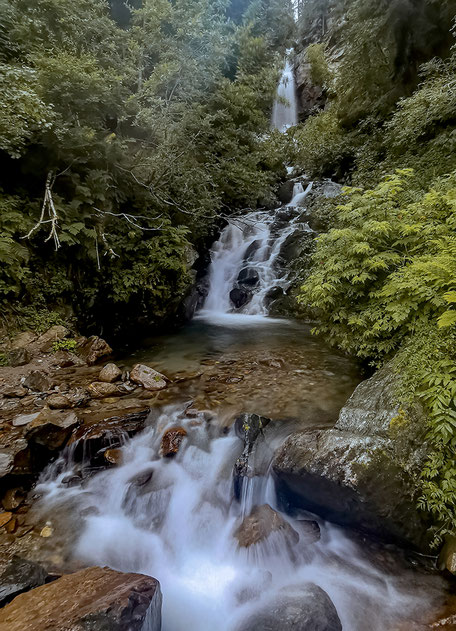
[(176, 519), (285, 110), (245, 260)]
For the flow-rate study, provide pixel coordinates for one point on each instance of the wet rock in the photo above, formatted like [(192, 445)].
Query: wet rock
[(358, 474), (51, 430), (66, 359), (273, 294), (310, 530), (94, 598), (248, 276), (248, 427), (12, 455), (102, 390), (38, 381), (447, 556), (19, 357), (110, 373), (147, 377), (260, 524), (113, 456), (58, 402), (20, 576), (302, 608), (251, 250), (13, 498), (46, 341), (171, 441), (240, 296), (5, 518), (25, 419), (285, 192), (94, 349)]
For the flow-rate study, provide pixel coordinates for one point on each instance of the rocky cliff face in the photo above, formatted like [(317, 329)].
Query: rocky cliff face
[(364, 472)]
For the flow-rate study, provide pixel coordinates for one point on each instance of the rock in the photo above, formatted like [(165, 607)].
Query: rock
[(23, 340), (12, 455), (248, 276), (66, 359), (25, 419), (19, 357), (94, 598), (20, 576), (248, 427), (110, 373), (113, 456), (5, 518), (13, 498), (240, 296), (306, 608), (51, 430), (260, 524), (358, 474), (37, 381), (310, 530), (13, 391), (102, 390), (147, 377), (46, 532), (94, 349), (273, 294), (46, 341), (285, 192), (171, 441), (251, 250), (58, 402), (447, 556)]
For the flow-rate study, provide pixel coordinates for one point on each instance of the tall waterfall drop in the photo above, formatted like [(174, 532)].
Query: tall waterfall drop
[(246, 270)]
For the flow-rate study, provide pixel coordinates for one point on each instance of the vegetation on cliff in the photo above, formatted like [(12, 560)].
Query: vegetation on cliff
[(123, 142), (383, 278)]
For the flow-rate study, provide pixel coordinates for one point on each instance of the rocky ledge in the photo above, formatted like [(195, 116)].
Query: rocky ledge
[(364, 472), (93, 598)]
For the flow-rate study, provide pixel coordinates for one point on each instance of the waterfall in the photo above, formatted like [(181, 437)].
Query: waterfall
[(285, 112), (176, 519)]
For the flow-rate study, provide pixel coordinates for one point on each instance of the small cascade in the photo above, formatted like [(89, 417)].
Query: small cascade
[(285, 110), (177, 519), (246, 262)]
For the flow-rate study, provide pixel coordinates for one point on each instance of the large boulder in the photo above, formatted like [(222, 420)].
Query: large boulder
[(248, 427), (248, 276), (20, 576), (171, 441), (93, 349), (240, 296), (110, 373), (302, 608), (94, 598), (363, 473)]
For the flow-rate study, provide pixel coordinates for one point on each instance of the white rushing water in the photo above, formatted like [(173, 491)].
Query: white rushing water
[(285, 110), (251, 243), (175, 519)]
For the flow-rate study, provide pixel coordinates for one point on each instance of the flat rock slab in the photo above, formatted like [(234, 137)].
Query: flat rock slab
[(94, 598)]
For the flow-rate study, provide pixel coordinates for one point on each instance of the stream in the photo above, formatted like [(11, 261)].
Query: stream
[(179, 519)]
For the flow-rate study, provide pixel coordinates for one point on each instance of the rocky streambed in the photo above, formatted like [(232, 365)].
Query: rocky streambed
[(216, 461)]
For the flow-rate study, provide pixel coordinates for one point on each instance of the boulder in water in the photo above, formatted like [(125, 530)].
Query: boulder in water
[(103, 390), (248, 427), (306, 608), (38, 381), (273, 294), (94, 598), (260, 524), (251, 250), (110, 373), (93, 349), (240, 296), (360, 474), (248, 276), (20, 576), (147, 377), (285, 192), (171, 441)]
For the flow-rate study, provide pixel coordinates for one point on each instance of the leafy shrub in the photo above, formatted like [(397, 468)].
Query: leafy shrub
[(68, 344)]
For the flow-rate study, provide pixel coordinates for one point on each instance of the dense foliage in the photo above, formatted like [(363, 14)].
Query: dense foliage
[(122, 144), (383, 279)]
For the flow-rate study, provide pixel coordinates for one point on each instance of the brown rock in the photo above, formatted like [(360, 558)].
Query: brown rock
[(13, 391), (447, 557), (260, 524), (171, 441), (147, 377), (102, 390), (94, 349), (38, 381), (66, 359), (23, 340), (110, 373), (52, 429), (58, 402), (5, 518), (46, 341), (25, 419), (113, 456), (94, 598), (11, 526), (12, 499), (19, 357)]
